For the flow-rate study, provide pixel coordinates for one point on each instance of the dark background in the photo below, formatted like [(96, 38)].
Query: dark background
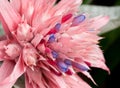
[(111, 47)]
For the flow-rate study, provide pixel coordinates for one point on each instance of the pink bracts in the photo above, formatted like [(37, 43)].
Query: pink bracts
[(48, 43)]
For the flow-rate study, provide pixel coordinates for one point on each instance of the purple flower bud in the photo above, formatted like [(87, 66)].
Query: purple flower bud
[(78, 20), (62, 66)]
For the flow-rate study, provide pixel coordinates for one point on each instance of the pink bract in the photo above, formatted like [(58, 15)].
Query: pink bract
[(48, 43)]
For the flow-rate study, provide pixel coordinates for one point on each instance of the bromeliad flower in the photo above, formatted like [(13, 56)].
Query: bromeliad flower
[(48, 43)]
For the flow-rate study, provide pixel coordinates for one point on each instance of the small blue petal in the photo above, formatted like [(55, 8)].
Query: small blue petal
[(57, 26), (52, 38), (68, 62), (54, 54), (79, 66), (62, 66), (78, 20)]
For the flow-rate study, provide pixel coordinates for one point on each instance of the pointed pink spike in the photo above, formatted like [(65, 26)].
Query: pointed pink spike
[(65, 6), (16, 4), (27, 83), (5, 69), (10, 16), (15, 73), (5, 28), (98, 22)]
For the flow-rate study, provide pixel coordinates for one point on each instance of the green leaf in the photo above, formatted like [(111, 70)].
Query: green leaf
[(1, 30), (87, 1)]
